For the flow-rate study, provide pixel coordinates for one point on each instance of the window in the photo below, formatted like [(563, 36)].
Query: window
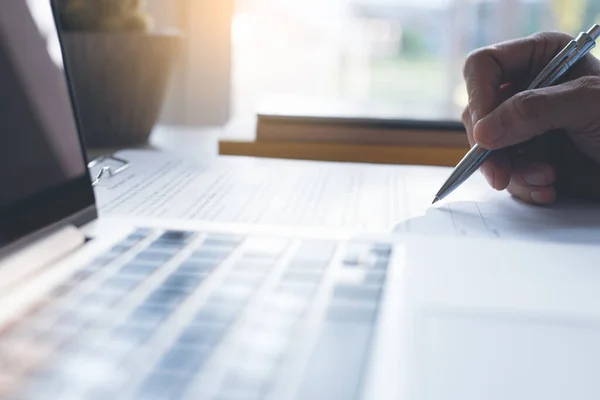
[(404, 53)]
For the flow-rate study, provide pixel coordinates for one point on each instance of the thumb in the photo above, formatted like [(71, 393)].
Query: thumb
[(569, 106)]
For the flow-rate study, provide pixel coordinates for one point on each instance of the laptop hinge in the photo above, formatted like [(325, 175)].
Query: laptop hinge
[(37, 255)]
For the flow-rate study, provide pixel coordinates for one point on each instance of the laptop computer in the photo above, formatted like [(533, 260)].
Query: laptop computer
[(119, 308)]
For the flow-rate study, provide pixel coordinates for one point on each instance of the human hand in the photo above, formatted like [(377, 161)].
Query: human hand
[(550, 137)]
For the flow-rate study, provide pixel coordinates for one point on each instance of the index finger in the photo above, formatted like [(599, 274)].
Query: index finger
[(516, 61)]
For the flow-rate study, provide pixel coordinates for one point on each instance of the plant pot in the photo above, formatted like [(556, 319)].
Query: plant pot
[(120, 81)]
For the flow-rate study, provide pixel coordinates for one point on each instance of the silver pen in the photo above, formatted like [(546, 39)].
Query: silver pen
[(573, 52)]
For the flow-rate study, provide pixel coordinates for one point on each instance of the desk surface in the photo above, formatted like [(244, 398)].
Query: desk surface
[(238, 139)]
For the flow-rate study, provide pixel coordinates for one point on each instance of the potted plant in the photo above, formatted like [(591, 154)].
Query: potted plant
[(119, 68)]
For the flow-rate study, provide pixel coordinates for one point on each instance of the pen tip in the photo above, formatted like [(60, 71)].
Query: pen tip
[(435, 200)]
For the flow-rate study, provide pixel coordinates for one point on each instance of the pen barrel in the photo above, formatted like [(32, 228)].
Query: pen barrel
[(465, 168), (570, 55), (556, 68)]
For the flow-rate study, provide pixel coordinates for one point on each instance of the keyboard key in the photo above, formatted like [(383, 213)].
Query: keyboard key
[(287, 302), (223, 238), (201, 336), (242, 278), (360, 255), (46, 384), (80, 344), (138, 270), (102, 261), (150, 314), (197, 266), (237, 396), (119, 285), (253, 266), (103, 393), (97, 300), (153, 256), (236, 293), (308, 265), (59, 334), (365, 255), (183, 361), (350, 312), (375, 277), (227, 302), (357, 293), (258, 258), (165, 297), (381, 264), (139, 234), (101, 349), (302, 277), (219, 246), (88, 370), (73, 319), (383, 250), (239, 385), (165, 247), (176, 236), (210, 254), (162, 386), (234, 282), (120, 248), (336, 368), (62, 290), (217, 314), (183, 282), (81, 276), (365, 260), (254, 365), (305, 291), (280, 323), (133, 334), (264, 345), (46, 312)]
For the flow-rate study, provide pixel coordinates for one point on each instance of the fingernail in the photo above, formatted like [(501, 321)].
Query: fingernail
[(538, 197), (490, 136), (535, 178)]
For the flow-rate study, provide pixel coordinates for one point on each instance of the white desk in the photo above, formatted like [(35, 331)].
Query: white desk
[(195, 143), (238, 139)]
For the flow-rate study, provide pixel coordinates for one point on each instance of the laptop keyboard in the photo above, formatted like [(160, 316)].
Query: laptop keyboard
[(177, 314)]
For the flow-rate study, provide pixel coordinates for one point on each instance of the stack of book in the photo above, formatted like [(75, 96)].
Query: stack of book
[(353, 125)]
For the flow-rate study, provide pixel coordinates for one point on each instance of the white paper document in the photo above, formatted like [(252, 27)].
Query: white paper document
[(370, 198)]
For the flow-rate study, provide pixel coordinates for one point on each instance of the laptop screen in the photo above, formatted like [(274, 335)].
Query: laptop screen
[(43, 174)]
